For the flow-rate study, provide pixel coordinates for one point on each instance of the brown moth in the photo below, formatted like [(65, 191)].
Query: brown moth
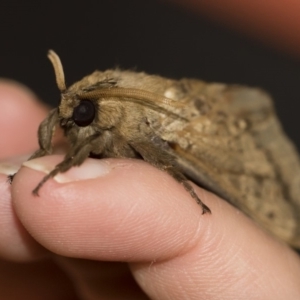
[(225, 138)]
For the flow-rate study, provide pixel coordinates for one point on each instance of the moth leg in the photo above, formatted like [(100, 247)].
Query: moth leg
[(10, 178), (183, 180), (166, 162), (45, 134), (74, 158)]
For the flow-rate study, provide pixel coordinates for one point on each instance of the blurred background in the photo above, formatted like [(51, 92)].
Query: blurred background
[(155, 36)]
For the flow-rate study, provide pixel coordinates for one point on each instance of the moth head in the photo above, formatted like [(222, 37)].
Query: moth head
[(81, 112), (101, 102)]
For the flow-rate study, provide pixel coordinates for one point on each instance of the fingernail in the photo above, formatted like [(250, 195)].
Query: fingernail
[(91, 168), (12, 165), (8, 168)]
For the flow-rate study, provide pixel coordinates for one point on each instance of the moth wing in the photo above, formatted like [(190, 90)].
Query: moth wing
[(238, 150)]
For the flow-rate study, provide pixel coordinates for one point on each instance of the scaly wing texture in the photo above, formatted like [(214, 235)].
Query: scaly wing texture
[(234, 145)]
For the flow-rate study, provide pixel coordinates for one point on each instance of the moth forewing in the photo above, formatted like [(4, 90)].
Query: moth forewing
[(225, 138), (240, 152)]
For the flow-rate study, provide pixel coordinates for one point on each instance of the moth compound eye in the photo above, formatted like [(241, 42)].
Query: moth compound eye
[(84, 113)]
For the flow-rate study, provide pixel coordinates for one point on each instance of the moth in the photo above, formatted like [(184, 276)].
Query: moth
[(225, 138)]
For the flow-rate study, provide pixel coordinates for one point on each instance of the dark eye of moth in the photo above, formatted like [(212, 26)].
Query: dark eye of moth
[(84, 113)]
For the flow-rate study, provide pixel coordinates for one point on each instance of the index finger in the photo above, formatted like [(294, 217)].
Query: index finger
[(21, 115)]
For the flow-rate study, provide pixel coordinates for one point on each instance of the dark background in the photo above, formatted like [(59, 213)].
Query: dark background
[(150, 35)]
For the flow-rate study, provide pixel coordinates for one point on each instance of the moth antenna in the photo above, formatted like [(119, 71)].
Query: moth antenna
[(153, 101), (58, 70), (132, 93)]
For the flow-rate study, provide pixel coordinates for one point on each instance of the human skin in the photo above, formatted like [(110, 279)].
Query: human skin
[(121, 229)]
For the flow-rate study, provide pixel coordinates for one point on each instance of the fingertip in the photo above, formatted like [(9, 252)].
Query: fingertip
[(20, 117), (87, 213)]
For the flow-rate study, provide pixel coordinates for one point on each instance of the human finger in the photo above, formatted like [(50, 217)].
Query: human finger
[(126, 210)]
